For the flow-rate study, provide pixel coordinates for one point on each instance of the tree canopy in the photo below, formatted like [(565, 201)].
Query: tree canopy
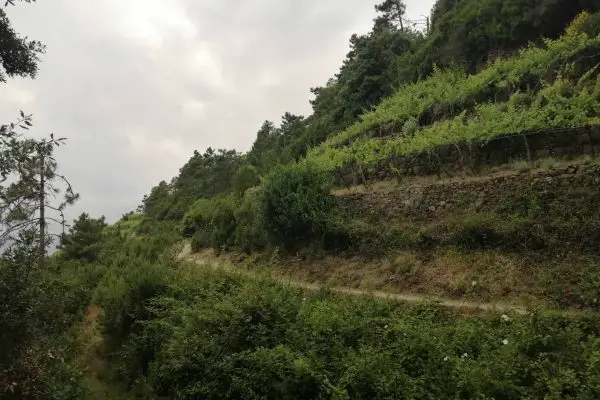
[(19, 56)]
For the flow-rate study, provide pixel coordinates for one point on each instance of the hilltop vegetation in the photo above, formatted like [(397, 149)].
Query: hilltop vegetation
[(116, 312), (274, 202)]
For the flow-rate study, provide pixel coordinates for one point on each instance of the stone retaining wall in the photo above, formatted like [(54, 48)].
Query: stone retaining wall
[(563, 189)]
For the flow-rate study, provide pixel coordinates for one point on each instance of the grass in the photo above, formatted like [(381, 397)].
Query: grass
[(97, 381), (487, 276)]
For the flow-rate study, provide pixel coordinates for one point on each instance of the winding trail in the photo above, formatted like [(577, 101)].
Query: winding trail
[(463, 305)]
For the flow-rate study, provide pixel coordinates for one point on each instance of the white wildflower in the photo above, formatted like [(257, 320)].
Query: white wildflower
[(505, 342), (474, 283), (465, 355), (385, 327), (505, 318), (446, 358)]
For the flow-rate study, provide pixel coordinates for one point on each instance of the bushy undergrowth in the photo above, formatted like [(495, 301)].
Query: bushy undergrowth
[(220, 336), (291, 209), (38, 311), (297, 205), (41, 308)]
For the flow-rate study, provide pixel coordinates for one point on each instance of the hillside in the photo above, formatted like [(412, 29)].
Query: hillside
[(488, 178), (431, 231)]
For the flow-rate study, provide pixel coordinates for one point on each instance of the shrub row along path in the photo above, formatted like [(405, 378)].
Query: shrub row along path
[(209, 260)]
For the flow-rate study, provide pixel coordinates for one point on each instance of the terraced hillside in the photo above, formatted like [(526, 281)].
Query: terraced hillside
[(541, 91), (471, 188), (427, 233), (481, 187)]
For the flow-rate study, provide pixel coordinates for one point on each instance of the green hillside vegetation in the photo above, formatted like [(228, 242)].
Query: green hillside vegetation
[(123, 311), (189, 332), (541, 88)]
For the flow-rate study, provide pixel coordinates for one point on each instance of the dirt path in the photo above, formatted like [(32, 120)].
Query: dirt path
[(409, 298), (217, 263)]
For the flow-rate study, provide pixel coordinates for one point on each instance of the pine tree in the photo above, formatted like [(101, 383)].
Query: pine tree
[(392, 12)]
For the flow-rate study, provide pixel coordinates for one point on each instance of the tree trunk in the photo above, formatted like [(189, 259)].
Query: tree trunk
[(42, 244), (399, 6)]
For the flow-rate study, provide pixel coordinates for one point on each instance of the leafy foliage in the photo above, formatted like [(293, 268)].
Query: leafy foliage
[(217, 335), (470, 32), (246, 178), (83, 240), (456, 107), (203, 176), (297, 205), (18, 56)]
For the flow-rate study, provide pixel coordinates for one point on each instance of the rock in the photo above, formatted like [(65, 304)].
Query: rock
[(480, 202), (566, 176)]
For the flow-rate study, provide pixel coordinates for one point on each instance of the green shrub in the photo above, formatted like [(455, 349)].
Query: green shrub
[(250, 232), (223, 224), (198, 217), (297, 205), (220, 336), (123, 292), (410, 127), (202, 239), (38, 308), (245, 178), (592, 25), (210, 223)]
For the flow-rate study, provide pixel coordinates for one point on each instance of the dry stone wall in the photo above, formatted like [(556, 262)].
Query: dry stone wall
[(564, 188)]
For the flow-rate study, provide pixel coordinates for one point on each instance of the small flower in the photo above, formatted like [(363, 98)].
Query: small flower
[(474, 283), (505, 342), (505, 318), (385, 327), (465, 355), (446, 358), (304, 299)]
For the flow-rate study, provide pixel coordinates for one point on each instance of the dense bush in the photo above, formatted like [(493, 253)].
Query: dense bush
[(297, 205), (82, 242), (244, 179), (250, 231), (219, 336), (38, 309), (198, 217), (211, 223)]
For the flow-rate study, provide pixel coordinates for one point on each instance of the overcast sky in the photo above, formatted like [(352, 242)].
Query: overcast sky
[(137, 85)]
